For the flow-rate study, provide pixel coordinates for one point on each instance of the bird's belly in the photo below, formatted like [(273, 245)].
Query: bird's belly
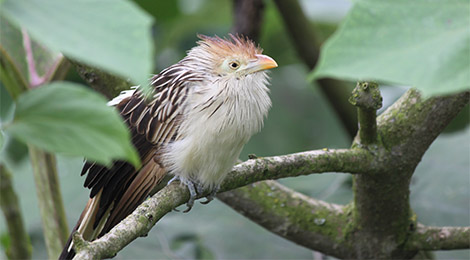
[(205, 156)]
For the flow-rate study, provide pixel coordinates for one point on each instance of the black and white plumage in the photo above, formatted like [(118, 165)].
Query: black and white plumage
[(202, 111)]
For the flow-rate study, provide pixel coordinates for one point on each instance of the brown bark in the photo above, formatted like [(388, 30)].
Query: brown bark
[(248, 16)]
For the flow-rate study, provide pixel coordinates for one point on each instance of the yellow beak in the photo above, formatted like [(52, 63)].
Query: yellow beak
[(263, 62)]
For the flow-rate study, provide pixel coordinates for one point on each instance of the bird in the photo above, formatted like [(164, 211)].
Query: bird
[(192, 124)]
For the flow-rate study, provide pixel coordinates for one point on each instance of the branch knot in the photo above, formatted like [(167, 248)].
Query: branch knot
[(366, 95)]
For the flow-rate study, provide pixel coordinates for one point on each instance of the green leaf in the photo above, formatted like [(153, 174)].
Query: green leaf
[(73, 120), (16, 48), (422, 43), (113, 35)]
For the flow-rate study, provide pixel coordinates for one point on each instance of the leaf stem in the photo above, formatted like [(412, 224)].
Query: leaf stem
[(20, 244), (34, 79), (50, 200)]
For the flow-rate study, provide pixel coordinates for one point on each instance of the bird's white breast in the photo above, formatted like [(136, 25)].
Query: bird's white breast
[(218, 120)]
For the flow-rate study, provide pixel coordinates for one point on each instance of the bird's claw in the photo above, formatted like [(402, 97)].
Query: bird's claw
[(211, 196), (194, 188), (192, 195)]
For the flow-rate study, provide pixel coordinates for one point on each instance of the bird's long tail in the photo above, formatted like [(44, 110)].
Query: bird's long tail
[(96, 219), (84, 226)]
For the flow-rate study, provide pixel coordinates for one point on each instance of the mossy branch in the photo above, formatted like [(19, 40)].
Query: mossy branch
[(148, 213)]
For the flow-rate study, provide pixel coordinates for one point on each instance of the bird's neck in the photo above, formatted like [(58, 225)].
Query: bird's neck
[(239, 104)]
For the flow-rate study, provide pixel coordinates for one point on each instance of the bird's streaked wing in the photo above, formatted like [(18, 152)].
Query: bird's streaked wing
[(153, 122)]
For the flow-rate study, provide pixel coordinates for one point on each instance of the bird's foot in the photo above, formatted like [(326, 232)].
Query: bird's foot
[(193, 187), (211, 195)]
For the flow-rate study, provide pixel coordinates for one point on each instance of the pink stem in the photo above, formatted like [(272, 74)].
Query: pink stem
[(34, 79)]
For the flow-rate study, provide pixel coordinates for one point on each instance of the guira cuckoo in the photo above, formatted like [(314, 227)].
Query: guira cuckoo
[(200, 114)]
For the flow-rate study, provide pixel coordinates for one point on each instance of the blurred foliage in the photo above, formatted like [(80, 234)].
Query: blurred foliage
[(62, 118), (86, 34), (400, 42), (300, 120)]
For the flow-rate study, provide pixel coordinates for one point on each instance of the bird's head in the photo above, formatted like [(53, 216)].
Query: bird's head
[(234, 57)]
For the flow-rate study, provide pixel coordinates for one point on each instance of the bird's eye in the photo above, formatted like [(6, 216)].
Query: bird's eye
[(234, 65)]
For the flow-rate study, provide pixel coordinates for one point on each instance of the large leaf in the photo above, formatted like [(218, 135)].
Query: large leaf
[(422, 43), (70, 119), (113, 35)]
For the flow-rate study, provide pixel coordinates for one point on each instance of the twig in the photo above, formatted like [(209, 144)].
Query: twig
[(439, 238), (366, 97)]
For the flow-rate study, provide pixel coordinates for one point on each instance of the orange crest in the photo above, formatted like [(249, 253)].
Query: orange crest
[(224, 47)]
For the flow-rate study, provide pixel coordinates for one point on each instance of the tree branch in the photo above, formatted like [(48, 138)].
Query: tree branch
[(20, 245), (308, 49), (382, 214), (412, 123), (148, 213), (439, 238)]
